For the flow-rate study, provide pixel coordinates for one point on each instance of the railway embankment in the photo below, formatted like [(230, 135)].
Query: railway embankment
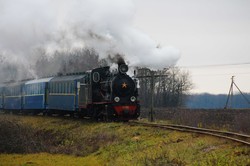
[(42, 140), (237, 120)]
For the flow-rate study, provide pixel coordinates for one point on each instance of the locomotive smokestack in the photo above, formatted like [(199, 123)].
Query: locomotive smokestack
[(120, 60), (122, 67)]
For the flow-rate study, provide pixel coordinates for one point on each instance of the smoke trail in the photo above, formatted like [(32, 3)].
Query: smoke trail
[(62, 25)]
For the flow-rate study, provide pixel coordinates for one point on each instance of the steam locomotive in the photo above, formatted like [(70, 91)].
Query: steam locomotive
[(101, 94)]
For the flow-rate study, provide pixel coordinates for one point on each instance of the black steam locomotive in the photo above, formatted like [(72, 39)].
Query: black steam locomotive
[(114, 94), (100, 93)]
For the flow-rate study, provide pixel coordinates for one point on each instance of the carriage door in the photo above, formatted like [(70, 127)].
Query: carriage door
[(46, 94), (83, 95)]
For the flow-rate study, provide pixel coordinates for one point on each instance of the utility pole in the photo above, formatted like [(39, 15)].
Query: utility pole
[(152, 76), (230, 94), (151, 113)]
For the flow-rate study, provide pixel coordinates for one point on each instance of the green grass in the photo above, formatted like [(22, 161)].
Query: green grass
[(63, 141)]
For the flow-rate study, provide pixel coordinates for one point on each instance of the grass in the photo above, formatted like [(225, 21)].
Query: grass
[(63, 141)]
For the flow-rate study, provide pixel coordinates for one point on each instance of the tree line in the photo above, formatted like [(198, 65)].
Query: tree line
[(170, 87), (212, 101)]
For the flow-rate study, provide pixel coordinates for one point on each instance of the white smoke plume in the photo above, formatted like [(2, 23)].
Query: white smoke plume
[(105, 25)]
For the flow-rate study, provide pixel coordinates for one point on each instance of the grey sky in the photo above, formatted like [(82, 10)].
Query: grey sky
[(207, 32)]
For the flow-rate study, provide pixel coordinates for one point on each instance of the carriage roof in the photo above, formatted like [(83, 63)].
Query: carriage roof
[(39, 80), (68, 78)]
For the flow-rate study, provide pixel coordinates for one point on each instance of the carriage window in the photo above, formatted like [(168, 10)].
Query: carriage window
[(34, 89), (50, 88), (38, 88), (69, 87), (54, 87), (58, 87), (41, 88), (63, 87), (72, 88), (56, 84), (26, 89), (66, 87), (36, 85), (31, 89)]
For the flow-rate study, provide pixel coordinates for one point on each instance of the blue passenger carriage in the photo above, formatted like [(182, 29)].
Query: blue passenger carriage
[(35, 97), (13, 96), (64, 93)]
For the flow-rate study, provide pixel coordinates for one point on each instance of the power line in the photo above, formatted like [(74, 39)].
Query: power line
[(215, 65), (223, 74)]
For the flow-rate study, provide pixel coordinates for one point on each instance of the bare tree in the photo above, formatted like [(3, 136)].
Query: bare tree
[(170, 87), (77, 60)]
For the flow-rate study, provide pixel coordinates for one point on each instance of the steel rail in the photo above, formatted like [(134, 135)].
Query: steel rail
[(182, 128)]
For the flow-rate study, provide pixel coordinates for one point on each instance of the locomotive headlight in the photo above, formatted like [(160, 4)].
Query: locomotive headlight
[(117, 99), (133, 98)]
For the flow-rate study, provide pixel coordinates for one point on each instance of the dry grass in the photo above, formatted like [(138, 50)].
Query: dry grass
[(63, 141), (232, 120)]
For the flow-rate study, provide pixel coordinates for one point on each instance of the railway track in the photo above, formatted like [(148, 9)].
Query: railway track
[(237, 137)]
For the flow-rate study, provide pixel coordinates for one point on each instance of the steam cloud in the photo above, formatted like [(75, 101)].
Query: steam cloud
[(57, 25)]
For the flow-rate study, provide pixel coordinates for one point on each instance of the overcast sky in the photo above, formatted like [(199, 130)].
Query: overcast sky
[(207, 32), (195, 34)]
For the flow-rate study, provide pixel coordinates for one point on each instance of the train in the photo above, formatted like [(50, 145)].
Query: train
[(100, 93)]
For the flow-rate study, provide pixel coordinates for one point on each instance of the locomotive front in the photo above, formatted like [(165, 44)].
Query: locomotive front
[(125, 94)]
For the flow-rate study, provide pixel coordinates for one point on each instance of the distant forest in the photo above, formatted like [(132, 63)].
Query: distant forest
[(210, 101)]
